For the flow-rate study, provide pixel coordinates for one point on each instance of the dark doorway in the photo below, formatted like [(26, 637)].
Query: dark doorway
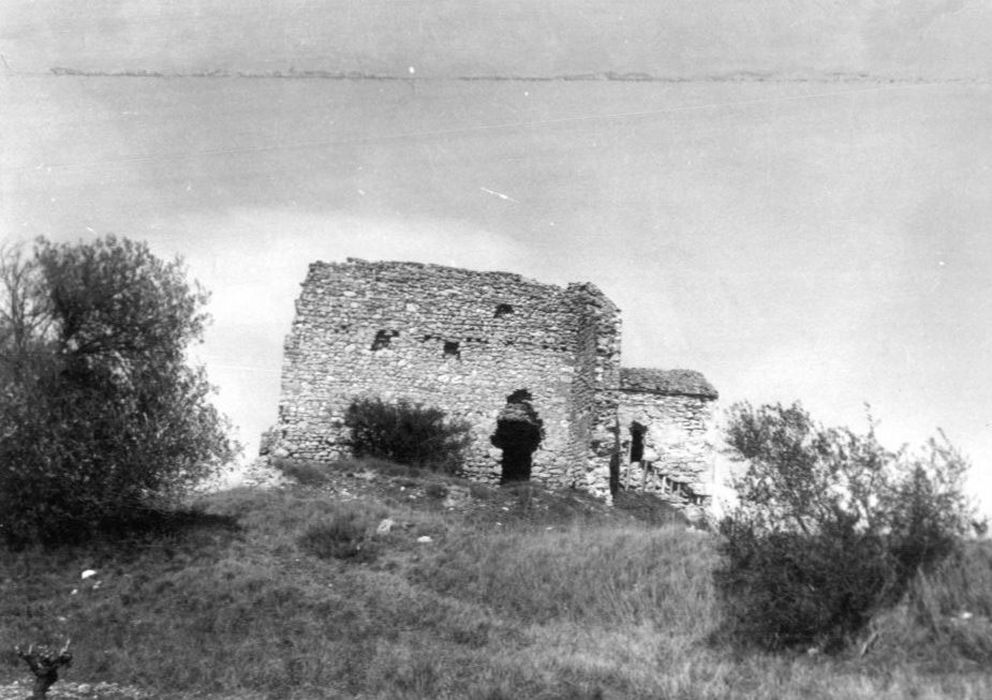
[(519, 431), (637, 441)]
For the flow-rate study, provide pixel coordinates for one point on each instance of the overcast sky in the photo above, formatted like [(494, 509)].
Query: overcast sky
[(791, 235)]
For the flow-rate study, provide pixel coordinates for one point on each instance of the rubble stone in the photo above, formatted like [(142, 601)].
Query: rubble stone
[(472, 343)]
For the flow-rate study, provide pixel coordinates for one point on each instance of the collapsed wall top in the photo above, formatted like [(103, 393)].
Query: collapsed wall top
[(669, 382), (486, 348)]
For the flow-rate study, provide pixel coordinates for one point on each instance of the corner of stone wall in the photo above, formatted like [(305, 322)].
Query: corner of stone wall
[(594, 400), (678, 443)]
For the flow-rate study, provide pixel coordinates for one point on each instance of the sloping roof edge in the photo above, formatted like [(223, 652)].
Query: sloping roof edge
[(670, 382)]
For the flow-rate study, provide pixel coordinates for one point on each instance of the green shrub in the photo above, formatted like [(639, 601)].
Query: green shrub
[(481, 492), (831, 527), (945, 620), (786, 589), (305, 472), (407, 433), (387, 468), (346, 535), (100, 414), (436, 491)]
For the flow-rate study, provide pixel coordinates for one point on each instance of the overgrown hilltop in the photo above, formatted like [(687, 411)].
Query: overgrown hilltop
[(373, 580), (843, 573)]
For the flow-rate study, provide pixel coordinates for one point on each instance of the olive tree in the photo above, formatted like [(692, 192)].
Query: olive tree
[(831, 526), (100, 414)]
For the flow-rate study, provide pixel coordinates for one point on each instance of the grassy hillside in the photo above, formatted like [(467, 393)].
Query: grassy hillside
[(473, 592)]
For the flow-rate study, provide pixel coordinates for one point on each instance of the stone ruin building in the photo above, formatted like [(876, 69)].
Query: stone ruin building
[(534, 368)]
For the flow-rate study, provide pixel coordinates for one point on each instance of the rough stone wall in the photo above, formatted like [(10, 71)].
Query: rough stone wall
[(678, 443), (594, 401), (465, 341), (457, 339)]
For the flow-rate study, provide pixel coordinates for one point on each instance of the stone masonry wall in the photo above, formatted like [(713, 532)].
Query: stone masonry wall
[(594, 402), (678, 443), (457, 339), (465, 341)]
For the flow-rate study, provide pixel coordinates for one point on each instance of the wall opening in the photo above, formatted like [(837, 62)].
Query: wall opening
[(615, 458), (382, 339), (520, 396), (451, 350), (519, 431), (503, 310), (637, 441), (683, 490)]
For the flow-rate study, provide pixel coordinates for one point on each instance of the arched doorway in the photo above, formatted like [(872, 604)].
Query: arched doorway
[(519, 431)]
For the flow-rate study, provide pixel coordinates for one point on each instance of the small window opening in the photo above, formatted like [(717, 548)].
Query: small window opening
[(637, 441), (383, 338), (503, 310), (451, 350)]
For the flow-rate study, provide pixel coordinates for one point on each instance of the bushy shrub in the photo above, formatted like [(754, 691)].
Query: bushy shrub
[(407, 433), (346, 535), (831, 527), (100, 414), (436, 491), (305, 472), (785, 589), (944, 622)]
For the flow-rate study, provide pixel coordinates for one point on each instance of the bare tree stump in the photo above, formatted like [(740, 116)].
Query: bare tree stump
[(44, 663)]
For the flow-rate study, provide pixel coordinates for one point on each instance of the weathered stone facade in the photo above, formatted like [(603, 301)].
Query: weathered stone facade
[(666, 436), (485, 347)]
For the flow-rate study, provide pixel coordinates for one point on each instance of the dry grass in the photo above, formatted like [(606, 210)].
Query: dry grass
[(233, 603)]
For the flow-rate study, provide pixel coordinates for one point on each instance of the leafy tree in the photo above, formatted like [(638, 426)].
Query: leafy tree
[(831, 526), (100, 414), (407, 433)]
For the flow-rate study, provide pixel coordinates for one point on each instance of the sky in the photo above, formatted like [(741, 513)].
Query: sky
[(798, 209)]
